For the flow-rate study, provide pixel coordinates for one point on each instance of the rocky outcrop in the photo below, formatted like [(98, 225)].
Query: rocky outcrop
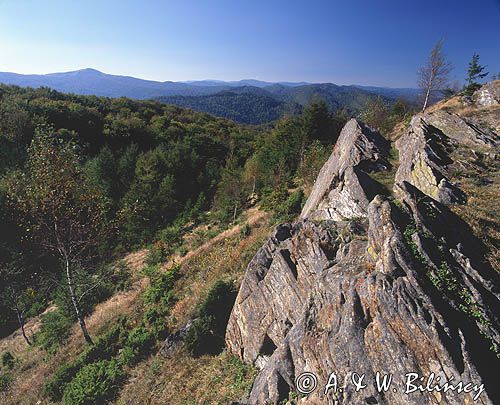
[(488, 95), (343, 189), (423, 155), (392, 287)]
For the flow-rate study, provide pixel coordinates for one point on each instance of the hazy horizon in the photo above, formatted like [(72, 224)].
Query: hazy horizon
[(244, 79), (367, 43)]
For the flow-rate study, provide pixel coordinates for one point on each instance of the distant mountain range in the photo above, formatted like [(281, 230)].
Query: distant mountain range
[(248, 101)]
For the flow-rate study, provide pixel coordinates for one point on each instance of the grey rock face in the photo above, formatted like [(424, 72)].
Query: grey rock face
[(395, 289), (342, 189), (462, 130), (488, 95), (423, 156), (174, 341)]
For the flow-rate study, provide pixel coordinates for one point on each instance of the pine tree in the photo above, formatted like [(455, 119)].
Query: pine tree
[(474, 74)]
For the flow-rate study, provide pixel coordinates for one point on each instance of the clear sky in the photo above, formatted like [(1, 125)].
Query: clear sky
[(373, 42)]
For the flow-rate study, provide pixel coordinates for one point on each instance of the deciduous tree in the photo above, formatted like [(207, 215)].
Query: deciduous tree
[(61, 211), (433, 76)]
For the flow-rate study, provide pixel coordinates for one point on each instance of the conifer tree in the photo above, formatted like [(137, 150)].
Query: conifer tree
[(475, 73)]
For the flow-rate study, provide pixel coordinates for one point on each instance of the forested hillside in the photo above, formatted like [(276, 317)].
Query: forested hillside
[(84, 180), (127, 173)]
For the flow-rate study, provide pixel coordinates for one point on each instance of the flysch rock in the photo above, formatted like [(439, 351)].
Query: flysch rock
[(401, 287), (343, 189), (423, 156)]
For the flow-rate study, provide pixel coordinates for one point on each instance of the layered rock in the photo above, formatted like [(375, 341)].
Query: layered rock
[(423, 156), (343, 189), (388, 286)]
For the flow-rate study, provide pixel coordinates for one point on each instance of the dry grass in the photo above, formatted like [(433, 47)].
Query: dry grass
[(480, 180), (206, 379), (187, 380), (219, 257)]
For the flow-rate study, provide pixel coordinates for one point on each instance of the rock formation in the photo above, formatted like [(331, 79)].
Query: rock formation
[(489, 94), (343, 189), (368, 284)]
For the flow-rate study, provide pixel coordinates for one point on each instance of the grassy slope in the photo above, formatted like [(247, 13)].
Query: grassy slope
[(184, 379)]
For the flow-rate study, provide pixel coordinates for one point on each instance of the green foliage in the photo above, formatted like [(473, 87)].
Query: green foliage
[(5, 381), (314, 158), (8, 360), (284, 206), (105, 347), (158, 253), (206, 335), (383, 116), (248, 108), (245, 230), (139, 343), (54, 331), (161, 286), (474, 73), (95, 383)]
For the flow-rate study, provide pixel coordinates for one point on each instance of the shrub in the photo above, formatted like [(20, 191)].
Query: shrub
[(8, 360), (54, 331), (171, 235), (154, 317), (95, 383), (105, 347), (54, 388), (139, 343), (158, 253), (207, 333), (5, 382), (292, 206), (245, 230), (161, 285), (120, 279)]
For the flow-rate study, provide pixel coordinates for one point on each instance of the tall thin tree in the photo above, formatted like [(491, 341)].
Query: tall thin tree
[(433, 76), (63, 212)]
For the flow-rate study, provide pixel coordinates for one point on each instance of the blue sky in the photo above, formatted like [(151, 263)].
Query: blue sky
[(372, 42)]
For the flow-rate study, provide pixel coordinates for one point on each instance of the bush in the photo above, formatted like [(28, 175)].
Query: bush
[(95, 383), (171, 235), (8, 360), (208, 330), (54, 331), (158, 253), (291, 207), (245, 230), (54, 388), (161, 286), (139, 343), (105, 347), (154, 317), (120, 279), (5, 382)]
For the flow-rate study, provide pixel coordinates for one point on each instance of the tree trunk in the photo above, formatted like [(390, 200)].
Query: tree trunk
[(426, 99), (235, 211), (20, 319), (74, 300)]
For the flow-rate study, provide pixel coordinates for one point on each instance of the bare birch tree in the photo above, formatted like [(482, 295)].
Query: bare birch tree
[(433, 76)]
